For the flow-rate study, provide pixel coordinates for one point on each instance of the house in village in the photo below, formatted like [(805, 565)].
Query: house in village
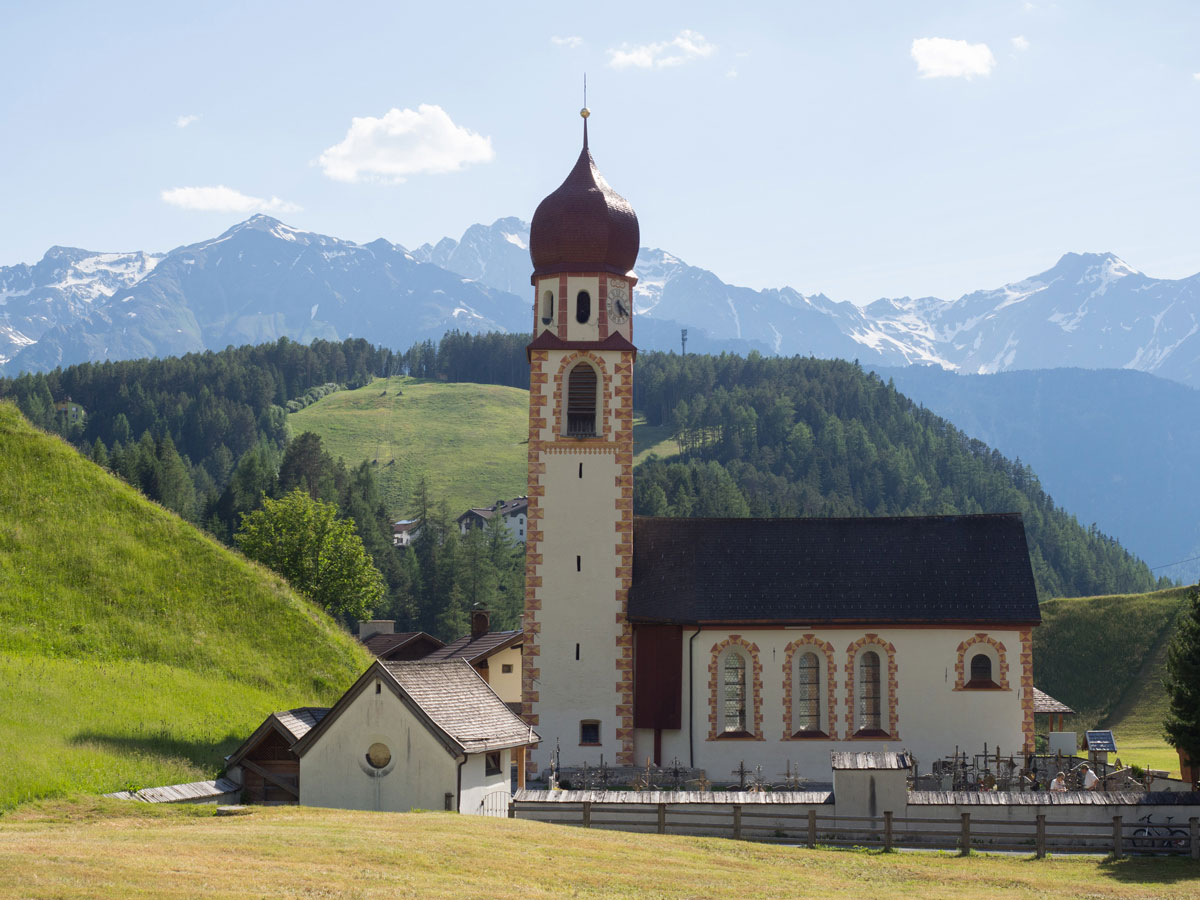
[(766, 642), (495, 655), (265, 766), (511, 512), (404, 532), (381, 638), (413, 734)]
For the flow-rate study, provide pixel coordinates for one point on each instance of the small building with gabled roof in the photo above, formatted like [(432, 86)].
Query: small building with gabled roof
[(413, 734), (265, 766)]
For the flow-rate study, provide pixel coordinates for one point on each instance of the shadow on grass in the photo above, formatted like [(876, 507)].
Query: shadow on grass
[(1151, 870), (202, 754)]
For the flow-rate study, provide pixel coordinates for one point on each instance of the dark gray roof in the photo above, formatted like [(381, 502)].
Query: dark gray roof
[(842, 759), (475, 649), (383, 644), (461, 704), (916, 569)]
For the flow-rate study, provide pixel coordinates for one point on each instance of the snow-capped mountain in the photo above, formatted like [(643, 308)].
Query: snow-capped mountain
[(261, 280), (1089, 310), (258, 281), (63, 287)]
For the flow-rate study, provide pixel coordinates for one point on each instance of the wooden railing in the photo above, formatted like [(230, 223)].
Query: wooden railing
[(963, 833)]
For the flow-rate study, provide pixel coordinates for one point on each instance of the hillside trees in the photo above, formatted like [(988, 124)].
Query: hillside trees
[(318, 552), (807, 437), (1182, 727)]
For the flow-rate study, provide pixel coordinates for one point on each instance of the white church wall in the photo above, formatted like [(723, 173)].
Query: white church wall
[(577, 622), (334, 772), (589, 330), (931, 717)]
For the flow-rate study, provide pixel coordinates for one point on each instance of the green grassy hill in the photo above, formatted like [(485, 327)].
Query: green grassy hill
[(1104, 657), (134, 650), (469, 440)]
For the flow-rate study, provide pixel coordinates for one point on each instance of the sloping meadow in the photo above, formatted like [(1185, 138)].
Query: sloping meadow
[(134, 650)]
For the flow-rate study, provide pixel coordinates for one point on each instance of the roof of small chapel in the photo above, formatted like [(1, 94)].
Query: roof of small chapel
[(899, 570), (461, 704), (447, 696)]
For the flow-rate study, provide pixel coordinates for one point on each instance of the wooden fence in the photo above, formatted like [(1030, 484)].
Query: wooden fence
[(964, 832)]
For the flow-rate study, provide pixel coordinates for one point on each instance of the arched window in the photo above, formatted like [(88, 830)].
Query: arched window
[(807, 704), (547, 307), (583, 307), (733, 693), (581, 401), (981, 670), (869, 698)]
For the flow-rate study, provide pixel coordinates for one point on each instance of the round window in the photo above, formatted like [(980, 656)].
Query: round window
[(378, 755)]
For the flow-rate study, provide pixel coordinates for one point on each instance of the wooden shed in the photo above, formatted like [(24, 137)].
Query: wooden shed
[(265, 765)]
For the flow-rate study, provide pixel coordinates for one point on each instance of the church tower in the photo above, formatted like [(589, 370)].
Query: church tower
[(577, 677)]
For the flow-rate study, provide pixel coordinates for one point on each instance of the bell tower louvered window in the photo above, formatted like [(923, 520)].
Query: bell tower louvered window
[(581, 401)]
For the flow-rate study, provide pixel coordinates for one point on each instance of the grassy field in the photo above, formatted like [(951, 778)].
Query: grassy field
[(110, 849), (134, 650), (1104, 656), (651, 439), (469, 440)]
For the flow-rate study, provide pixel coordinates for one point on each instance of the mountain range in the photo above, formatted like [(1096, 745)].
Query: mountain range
[(262, 279)]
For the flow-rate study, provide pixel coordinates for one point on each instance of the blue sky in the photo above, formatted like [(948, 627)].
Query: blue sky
[(861, 149)]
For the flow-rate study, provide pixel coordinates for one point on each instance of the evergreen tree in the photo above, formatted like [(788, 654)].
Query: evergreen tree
[(1182, 727)]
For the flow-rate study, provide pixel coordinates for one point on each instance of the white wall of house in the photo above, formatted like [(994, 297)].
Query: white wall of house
[(334, 771), (932, 718), (477, 784)]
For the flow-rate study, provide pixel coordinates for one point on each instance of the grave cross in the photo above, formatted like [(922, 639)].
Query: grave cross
[(741, 772)]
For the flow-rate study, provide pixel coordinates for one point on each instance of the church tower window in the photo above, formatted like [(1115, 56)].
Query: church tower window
[(583, 307), (547, 307), (581, 401)]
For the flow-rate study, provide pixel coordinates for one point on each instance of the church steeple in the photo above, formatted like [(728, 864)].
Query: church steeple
[(583, 243), (584, 225)]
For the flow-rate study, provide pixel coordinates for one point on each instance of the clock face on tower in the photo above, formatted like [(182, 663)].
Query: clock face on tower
[(618, 301)]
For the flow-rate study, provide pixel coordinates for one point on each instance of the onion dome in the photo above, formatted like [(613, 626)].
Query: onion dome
[(584, 226)]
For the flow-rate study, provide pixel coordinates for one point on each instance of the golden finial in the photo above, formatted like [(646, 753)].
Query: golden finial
[(585, 112)]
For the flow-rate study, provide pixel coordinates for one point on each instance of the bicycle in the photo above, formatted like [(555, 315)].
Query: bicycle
[(1160, 836)]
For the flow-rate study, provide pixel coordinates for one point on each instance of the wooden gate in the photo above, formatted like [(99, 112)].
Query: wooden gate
[(496, 804)]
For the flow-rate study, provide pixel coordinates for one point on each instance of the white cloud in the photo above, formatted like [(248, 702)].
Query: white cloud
[(1197, 76), (685, 47), (573, 40), (404, 142), (944, 58), (224, 199), (1020, 42), (732, 73), (185, 121)]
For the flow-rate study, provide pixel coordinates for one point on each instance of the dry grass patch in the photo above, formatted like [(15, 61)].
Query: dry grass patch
[(102, 849)]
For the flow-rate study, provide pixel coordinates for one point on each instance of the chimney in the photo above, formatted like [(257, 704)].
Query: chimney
[(480, 623), (376, 626)]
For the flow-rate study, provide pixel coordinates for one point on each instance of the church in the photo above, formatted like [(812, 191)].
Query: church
[(768, 642)]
